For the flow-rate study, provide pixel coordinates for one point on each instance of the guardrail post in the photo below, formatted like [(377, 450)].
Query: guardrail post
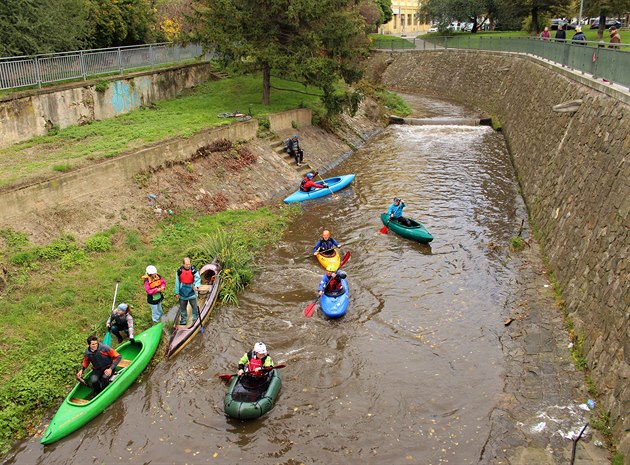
[(151, 56), (38, 75), (120, 65), (82, 64)]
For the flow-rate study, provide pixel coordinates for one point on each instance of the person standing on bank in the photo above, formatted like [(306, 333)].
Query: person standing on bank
[(154, 285), (561, 34), (187, 282), (104, 361), (295, 150), (615, 38), (119, 321), (545, 35), (578, 38)]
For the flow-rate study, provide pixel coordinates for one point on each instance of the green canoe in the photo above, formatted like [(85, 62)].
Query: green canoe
[(80, 407), (250, 397), (415, 232)]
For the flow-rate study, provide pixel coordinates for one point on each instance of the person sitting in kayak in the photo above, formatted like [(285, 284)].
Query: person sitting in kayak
[(325, 244), (104, 361), (395, 212), (330, 284), (119, 321), (308, 184), (254, 363)]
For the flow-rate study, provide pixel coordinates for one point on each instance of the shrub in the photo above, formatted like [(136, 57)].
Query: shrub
[(24, 258), (14, 239), (516, 243), (73, 258), (57, 248), (98, 243)]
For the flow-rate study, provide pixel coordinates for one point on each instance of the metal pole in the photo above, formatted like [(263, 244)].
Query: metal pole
[(581, 8)]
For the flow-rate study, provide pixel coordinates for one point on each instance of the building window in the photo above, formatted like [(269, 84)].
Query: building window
[(409, 19)]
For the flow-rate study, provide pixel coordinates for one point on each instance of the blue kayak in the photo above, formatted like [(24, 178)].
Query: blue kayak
[(335, 184), (335, 307)]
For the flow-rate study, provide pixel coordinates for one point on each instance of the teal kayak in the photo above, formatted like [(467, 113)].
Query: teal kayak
[(250, 397), (415, 232), (334, 185), (81, 405)]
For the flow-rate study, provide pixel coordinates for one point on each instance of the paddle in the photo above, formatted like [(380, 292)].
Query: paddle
[(107, 340), (229, 377), (331, 191), (310, 309), (384, 229)]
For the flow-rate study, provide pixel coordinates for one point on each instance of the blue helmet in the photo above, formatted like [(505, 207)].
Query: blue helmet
[(309, 175)]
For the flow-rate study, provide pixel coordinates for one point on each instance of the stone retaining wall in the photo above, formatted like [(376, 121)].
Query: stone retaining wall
[(575, 177), (33, 113)]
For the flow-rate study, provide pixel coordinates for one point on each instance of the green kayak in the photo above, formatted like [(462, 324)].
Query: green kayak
[(250, 397), (415, 232), (80, 406)]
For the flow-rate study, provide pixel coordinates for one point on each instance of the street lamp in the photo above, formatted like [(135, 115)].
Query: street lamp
[(581, 7)]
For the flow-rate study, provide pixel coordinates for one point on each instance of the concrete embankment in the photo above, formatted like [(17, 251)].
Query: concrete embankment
[(573, 170)]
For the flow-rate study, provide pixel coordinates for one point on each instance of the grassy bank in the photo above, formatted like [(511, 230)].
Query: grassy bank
[(466, 37), (62, 150), (58, 294)]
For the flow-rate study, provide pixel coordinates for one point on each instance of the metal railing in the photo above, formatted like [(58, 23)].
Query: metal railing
[(36, 70), (595, 58)]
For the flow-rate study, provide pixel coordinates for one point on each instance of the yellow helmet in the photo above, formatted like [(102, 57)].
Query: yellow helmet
[(326, 234), (331, 268)]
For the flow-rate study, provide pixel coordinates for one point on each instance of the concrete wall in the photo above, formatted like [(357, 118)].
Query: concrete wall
[(574, 173), (33, 113)]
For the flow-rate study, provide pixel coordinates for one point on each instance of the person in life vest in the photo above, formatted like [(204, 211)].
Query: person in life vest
[(104, 361), (119, 321), (307, 183), (395, 212), (154, 285), (325, 244), (187, 282), (330, 284), (254, 363)]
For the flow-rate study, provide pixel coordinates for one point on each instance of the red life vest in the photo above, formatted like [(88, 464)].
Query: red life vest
[(303, 187), (186, 276), (255, 362), (334, 284)]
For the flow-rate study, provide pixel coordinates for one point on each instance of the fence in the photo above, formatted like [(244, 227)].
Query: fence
[(594, 58), (40, 69)]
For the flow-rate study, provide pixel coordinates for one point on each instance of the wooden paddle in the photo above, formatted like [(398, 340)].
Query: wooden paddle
[(385, 229), (310, 309), (107, 340), (227, 377)]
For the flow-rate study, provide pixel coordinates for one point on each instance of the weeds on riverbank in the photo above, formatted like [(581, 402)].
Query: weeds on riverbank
[(56, 295)]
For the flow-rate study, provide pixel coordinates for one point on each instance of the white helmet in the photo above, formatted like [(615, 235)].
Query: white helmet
[(151, 269), (260, 348)]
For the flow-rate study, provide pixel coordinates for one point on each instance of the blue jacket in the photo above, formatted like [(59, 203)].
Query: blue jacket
[(325, 244), (326, 278), (396, 210)]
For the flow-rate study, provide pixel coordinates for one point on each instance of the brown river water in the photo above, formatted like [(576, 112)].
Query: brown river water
[(409, 375)]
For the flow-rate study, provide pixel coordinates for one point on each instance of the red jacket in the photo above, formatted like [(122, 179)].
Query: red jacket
[(306, 185)]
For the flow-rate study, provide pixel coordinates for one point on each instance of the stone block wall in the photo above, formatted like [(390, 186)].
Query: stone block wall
[(574, 173), (33, 113)]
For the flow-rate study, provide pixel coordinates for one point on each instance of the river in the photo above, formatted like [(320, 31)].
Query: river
[(409, 375)]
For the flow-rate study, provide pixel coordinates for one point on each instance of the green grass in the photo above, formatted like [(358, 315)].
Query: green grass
[(77, 145), (473, 39), (62, 292), (391, 42)]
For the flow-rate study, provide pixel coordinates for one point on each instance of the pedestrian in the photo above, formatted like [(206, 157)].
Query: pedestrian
[(561, 34), (254, 363), (331, 284), (395, 212), (308, 184), (545, 35), (154, 285), (578, 38), (295, 150), (187, 282), (104, 361), (121, 321), (615, 38), (325, 244)]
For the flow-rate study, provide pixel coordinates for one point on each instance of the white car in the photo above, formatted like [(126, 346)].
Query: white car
[(433, 29)]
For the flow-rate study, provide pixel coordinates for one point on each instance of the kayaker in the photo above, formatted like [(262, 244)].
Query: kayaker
[(325, 243), (253, 362), (154, 285), (121, 320), (395, 212), (187, 282), (104, 361), (307, 183), (330, 284)]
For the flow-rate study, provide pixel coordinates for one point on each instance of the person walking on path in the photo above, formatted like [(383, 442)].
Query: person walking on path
[(615, 38), (154, 285), (187, 282), (561, 35), (545, 35), (578, 38)]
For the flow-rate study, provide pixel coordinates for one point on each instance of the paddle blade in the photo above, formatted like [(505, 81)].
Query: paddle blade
[(345, 259), (226, 377), (308, 311), (384, 230)]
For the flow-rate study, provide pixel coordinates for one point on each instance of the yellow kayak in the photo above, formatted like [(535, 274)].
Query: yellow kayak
[(330, 259)]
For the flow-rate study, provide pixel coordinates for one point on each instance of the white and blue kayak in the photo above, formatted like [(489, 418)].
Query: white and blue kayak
[(334, 184), (336, 306)]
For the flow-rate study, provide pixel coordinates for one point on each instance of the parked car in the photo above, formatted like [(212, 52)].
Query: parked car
[(609, 23), (565, 25), (433, 29)]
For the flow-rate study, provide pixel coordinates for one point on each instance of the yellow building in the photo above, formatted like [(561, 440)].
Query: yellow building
[(406, 19)]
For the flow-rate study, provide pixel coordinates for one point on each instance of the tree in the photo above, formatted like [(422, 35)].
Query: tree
[(447, 11), (121, 22), (605, 9), (316, 42), (386, 10)]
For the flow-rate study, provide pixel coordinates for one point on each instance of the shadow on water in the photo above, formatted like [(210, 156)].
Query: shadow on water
[(412, 371)]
